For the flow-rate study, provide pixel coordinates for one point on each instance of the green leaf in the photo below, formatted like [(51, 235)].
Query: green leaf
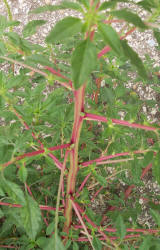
[(83, 62), (120, 226), (111, 37), (2, 192), (22, 173), (136, 171), (99, 178), (97, 243), (108, 95), (146, 243), (62, 6), (130, 17), (6, 152), (156, 167), (85, 3), (1, 213), (71, 5), (13, 23), (14, 38), (64, 29), (134, 58), (147, 4), (109, 4), (157, 36), (50, 228), (3, 23), (2, 48), (39, 59), (75, 246), (157, 89), (58, 243), (156, 216), (31, 217), (67, 245), (43, 242), (148, 157), (46, 8), (13, 191), (50, 243), (31, 27)]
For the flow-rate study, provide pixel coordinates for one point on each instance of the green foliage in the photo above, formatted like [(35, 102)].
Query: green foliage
[(110, 37), (84, 2), (31, 217), (31, 27), (120, 226), (156, 216), (156, 169), (129, 17), (22, 173), (64, 29), (63, 5), (37, 113), (148, 4), (97, 243), (157, 36), (83, 62), (108, 4), (134, 58)]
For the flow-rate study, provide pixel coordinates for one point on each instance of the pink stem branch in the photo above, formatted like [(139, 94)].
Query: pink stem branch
[(82, 185), (98, 191), (103, 158), (25, 125), (56, 161), (6, 246), (90, 221), (81, 239), (99, 118), (54, 72), (131, 230), (29, 190), (82, 222), (33, 153), (42, 207)]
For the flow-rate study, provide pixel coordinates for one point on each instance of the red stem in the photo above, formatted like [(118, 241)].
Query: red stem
[(33, 153), (130, 188), (98, 191), (100, 118), (81, 239), (82, 185), (29, 190), (42, 207), (131, 230), (73, 170), (145, 170), (7, 246), (54, 72), (103, 158), (89, 220)]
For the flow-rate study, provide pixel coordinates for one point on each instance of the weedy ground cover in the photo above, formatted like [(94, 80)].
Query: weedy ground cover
[(87, 132)]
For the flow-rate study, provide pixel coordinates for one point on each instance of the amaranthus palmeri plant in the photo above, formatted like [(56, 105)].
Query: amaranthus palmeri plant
[(67, 115)]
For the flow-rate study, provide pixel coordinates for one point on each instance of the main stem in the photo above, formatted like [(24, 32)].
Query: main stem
[(71, 179)]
